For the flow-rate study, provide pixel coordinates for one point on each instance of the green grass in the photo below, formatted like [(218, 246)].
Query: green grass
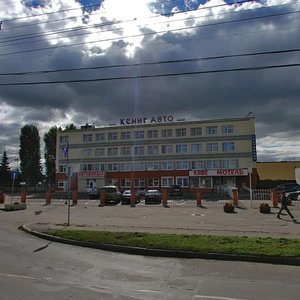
[(198, 243)]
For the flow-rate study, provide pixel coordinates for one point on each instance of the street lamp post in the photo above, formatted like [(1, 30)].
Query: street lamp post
[(250, 182)]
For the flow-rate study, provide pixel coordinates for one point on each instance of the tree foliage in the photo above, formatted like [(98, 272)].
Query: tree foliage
[(30, 155), (4, 170), (50, 153)]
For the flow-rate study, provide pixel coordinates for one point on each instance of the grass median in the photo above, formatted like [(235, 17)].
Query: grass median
[(256, 246)]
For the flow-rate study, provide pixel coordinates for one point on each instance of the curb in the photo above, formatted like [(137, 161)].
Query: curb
[(294, 261)]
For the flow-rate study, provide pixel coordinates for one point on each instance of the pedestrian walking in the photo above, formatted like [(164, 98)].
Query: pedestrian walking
[(284, 206)]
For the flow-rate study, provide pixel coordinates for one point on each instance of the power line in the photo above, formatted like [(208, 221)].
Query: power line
[(40, 72), (153, 33), (255, 68), (33, 36)]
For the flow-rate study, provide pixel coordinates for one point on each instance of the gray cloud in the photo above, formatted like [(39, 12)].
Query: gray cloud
[(272, 95)]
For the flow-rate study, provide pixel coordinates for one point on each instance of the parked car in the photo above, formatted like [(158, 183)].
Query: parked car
[(140, 194), (126, 196), (294, 195), (152, 197), (176, 191), (112, 194), (288, 187), (94, 193)]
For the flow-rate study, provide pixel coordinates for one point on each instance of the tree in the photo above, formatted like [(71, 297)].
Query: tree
[(4, 170), (50, 153), (70, 127), (30, 155)]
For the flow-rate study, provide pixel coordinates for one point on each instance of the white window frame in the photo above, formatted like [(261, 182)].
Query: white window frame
[(183, 181), (211, 130), (153, 182), (180, 132), (87, 138), (152, 134), (212, 147), (166, 133), (196, 131), (166, 149), (167, 181), (227, 129), (100, 137), (228, 146), (181, 148)]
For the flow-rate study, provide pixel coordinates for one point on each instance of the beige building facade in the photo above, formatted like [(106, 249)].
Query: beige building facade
[(157, 152)]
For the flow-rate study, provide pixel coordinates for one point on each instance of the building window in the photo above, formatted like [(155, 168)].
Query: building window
[(213, 164), (153, 182), (211, 130), (182, 181), (228, 147), (212, 147), (62, 168), (125, 151), (182, 165), (100, 137), (167, 165), (139, 134), (139, 182), (87, 152), (125, 183), (125, 167), (99, 152), (167, 181), (112, 136), (227, 129), (166, 149), (181, 148), (125, 135), (112, 151), (198, 165), (196, 148), (153, 149), (230, 164), (86, 167), (87, 138), (152, 134), (152, 166), (99, 167), (180, 132), (63, 139), (113, 167), (139, 150), (197, 131), (138, 166), (166, 133)]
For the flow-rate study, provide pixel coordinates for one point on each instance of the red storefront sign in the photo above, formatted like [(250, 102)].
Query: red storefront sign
[(219, 172), (91, 174)]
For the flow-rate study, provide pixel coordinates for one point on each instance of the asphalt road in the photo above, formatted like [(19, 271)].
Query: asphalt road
[(31, 268)]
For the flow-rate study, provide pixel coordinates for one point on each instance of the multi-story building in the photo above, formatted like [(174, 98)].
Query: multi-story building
[(158, 152)]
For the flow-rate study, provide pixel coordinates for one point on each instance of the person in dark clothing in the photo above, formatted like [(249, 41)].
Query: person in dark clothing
[(284, 203)]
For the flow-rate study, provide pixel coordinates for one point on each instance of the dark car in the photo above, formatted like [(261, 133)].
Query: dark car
[(176, 191), (293, 195), (288, 187), (152, 197), (94, 193)]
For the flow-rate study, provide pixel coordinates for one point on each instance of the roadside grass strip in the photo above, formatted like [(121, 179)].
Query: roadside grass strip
[(255, 246)]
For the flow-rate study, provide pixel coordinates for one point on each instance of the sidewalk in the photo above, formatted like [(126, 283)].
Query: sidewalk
[(185, 218)]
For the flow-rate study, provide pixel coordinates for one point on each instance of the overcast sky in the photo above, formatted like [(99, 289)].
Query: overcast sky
[(136, 38)]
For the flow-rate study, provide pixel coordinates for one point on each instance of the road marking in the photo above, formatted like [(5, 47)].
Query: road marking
[(216, 297), (24, 277)]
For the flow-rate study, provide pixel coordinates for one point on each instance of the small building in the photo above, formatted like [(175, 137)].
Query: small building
[(158, 152), (280, 170)]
